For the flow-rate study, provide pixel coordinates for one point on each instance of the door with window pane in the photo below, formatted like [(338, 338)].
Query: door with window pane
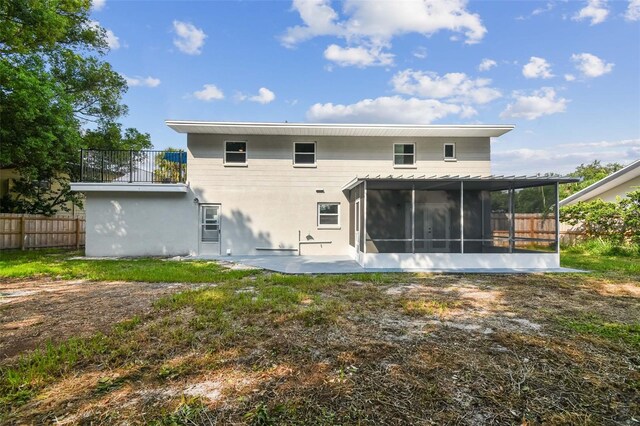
[(210, 229)]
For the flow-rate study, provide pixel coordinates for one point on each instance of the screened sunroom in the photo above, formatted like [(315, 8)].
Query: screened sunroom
[(454, 221)]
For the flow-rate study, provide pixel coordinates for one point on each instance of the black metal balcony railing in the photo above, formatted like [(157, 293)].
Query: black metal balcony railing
[(133, 166)]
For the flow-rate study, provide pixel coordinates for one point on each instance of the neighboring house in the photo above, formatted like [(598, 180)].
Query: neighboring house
[(389, 196), (617, 184), (8, 177)]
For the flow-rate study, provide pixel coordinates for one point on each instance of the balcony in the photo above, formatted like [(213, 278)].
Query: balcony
[(132, 171)]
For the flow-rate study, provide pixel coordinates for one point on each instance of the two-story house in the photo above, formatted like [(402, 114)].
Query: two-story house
[(389, 196)]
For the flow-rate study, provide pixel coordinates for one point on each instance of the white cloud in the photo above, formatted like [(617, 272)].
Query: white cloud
[(142, 81), (264, 96), (538, 11), (420, 52), (190, 39), (112, 40), (563, 158), (595, 10), (487, 64), (537, 68), (633, 143), (393, 109), (379, 21), (357, 56), (633, 11), (319, 19), (457, 87), (209, 93), (369, 26), (569, 77), (590, 65), (98, 5), (540, 102)]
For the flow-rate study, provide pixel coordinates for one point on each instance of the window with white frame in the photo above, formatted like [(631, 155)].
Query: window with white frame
[(328, 215), (235, 152), (449, 151), (304, 153), (404, 154)]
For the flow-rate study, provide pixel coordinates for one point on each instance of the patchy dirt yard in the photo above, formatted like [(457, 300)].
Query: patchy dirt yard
[(370, 349), (33, 312)]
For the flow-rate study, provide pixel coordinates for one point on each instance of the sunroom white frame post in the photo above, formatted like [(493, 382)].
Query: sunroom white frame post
[(364, 225), (461, 217), (557, 209)]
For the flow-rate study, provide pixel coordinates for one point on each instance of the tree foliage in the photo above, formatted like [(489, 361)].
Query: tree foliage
[(617, 221), (56, 96), (589, 173)]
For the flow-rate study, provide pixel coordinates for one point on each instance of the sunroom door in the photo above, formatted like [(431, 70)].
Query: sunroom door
[(210, 229)]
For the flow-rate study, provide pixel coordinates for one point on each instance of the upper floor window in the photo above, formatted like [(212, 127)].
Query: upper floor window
[(235, 152), (449, 151), (404, 154), (304, 153)]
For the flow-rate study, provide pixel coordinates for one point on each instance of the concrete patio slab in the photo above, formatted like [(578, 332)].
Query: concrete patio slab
[(346, 265)]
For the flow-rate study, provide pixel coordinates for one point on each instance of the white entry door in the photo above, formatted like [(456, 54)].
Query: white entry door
[(437, 226), (210, 229), (433, 222)]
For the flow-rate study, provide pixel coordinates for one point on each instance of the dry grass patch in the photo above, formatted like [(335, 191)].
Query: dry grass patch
[(396, 349)]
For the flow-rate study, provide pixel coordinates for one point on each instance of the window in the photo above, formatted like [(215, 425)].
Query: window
[(328, 215), (235, 152), (404, 154), (304, 153), (449, 151)]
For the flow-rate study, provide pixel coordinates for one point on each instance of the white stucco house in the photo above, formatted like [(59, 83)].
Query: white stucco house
[(616, 185), (388, 196)]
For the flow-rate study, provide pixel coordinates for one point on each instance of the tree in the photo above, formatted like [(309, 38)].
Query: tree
[(590, 173), (56, 96)]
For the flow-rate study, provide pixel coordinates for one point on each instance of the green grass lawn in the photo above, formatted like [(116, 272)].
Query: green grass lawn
[(602, 257), (58, 264)]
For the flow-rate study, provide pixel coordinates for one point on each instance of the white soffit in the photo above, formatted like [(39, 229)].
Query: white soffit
[(325, 129)]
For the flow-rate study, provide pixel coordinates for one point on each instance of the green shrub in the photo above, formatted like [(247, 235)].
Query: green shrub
[(617, 221)]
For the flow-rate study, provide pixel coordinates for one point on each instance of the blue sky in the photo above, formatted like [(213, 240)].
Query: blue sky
[(566, 73)]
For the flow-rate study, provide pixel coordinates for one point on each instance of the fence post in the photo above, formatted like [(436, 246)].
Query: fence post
[(102, 168), (130, 165), (180, 167), (81, 164), (22, 232), (77, 233)]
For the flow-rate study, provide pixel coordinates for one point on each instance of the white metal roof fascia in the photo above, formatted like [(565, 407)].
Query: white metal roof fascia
[(614, 179), (423, 177), (129, 187), (337, 129)]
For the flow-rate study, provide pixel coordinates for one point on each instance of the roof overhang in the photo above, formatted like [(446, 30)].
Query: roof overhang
[(491, 182), (603, 185), (336, 129), (129, 187)]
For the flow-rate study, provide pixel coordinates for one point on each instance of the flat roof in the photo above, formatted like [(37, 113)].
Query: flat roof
[(493, 182), (338, 129)]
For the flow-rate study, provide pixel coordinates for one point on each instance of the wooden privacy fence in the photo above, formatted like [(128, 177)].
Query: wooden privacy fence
[(24, 231), (533, 226)]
